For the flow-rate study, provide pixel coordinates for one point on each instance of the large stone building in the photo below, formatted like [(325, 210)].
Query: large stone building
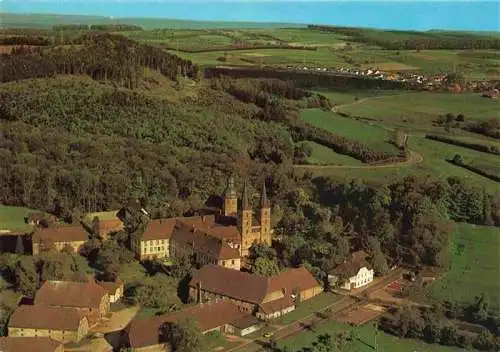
[(59, 323), (216, 239), (145, 334), (89, 298), (266, 297), (28, 344), (354, 273), (57, 238)]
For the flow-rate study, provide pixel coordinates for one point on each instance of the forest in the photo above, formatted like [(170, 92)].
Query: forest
[(123, 64), (406, 40)]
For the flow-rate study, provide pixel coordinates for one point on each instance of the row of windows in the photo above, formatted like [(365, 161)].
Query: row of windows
[(153, 249), (154, 242)]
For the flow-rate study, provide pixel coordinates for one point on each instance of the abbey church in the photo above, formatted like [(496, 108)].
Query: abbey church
[(223, 239), (251, 228)]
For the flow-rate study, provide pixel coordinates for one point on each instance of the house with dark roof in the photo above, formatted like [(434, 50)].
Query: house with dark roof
[(89, 298), (266, 297), (27, 344), (40, 320), (354, 273), (57, 238), (146, 333)]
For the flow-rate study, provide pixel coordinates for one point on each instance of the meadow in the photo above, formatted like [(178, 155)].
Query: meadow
[(365, 338), (322, 155), (422, 108), (372, 135), (12, 218), (474, 266)]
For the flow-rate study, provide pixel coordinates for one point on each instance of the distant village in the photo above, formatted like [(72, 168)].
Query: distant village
[(225, 297)]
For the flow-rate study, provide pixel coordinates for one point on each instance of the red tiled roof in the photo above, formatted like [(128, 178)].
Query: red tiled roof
[(60, 234), (159, 229), (228, 233), (200, 222), (231, 283), (251, 288), (27, 344), (146, 332), (70, 294), (277, 305), (354, 263), (45, 317), (293, 280), (202, 242)]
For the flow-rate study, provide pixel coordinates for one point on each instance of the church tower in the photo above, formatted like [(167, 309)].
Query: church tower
[(245, 222), (265, 217), (230, 199)]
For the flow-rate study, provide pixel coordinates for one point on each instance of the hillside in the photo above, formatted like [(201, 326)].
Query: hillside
[(93, 145)]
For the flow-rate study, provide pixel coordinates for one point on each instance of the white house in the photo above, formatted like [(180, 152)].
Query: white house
[(355, 272)]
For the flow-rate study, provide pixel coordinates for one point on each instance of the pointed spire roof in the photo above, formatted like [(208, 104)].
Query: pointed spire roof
[(245, 204), (264, 202), (230, 190)]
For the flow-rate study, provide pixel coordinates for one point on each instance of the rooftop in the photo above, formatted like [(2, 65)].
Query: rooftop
[(70, 294), (61, 234), (353, 264), (45, 317), (24, 344), (251, 288), (146, 332)]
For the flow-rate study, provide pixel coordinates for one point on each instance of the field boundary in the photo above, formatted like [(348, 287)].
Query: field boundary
[(413, 159)]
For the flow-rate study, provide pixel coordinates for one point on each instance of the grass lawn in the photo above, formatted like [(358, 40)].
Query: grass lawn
[(103, 215), (322, 155), (474, 267), (424, 107), (12, 218), (364, 339), (308, 307), (216, 341), (372, 135)]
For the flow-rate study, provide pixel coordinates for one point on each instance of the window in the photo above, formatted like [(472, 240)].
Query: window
[(232, 261), (223, 263)]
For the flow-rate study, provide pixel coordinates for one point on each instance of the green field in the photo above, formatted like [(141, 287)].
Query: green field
[(364, 340), (12, 218), (417, 109), (374, 136), (322, 155), (475, 267)]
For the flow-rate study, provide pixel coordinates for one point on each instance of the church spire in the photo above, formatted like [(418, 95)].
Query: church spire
[(264, 202), (245, 204)]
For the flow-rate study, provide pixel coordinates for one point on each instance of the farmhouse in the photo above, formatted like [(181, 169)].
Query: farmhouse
[(24, 344), (87, 297), (105, 223), (265, 297), (146, 334), (221, 239), (114, 289), (355, 272), (58, 323), (58, 238)]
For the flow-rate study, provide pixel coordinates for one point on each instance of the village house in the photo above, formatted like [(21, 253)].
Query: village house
[(145, 334), (105, 223), (39, 320), (355, 272), (57, 238), (266, 297), (114, 289), (216, 239), (28, 344), (89, 298)]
